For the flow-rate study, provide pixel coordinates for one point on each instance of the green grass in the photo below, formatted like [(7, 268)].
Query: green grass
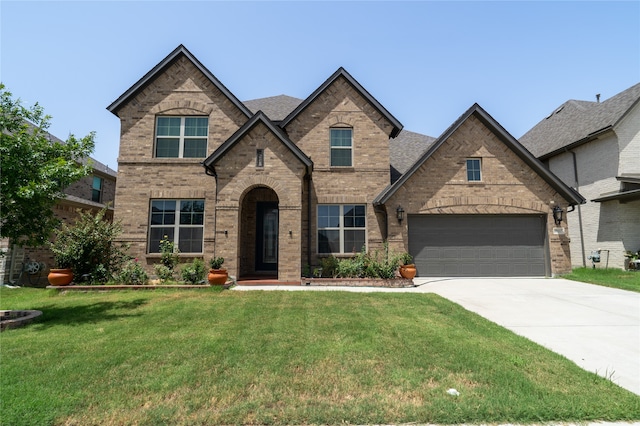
[(222, 357), (617, 278)]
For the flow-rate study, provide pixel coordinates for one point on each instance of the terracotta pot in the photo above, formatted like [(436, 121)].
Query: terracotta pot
[(408, 271), (60, 276), (217, 276)]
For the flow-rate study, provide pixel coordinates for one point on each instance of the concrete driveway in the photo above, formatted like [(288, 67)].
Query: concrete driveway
[(596, 327)]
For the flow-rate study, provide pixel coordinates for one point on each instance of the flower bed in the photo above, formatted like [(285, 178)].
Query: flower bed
[(15, 319), (360, 282)]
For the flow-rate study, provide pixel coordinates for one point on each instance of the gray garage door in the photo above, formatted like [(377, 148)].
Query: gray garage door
[(478, 245)]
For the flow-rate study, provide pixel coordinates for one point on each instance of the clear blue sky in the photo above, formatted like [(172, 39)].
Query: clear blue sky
[(426, 62)]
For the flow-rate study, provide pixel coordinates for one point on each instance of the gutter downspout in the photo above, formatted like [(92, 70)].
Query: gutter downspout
[(308, 179), (577, 186), (211, 172)]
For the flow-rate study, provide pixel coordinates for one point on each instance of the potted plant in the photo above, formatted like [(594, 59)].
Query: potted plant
[(631, 262), (407, 269), (62, 274), (217, 275)]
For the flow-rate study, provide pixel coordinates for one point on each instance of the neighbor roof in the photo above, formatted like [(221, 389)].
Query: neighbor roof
[(161, 67), (565, 191), (341, 72), (576, 122)]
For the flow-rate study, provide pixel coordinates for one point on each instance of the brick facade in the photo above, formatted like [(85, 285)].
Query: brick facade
[(297, 174), (508, 186)]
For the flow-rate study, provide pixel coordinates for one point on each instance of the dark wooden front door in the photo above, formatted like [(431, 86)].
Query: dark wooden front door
[(267, 236)]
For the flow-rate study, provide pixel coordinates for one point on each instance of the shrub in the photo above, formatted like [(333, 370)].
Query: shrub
[(169, 253), (330, 267), (194, 272), (89, 248), (133, 273), (163, 272)]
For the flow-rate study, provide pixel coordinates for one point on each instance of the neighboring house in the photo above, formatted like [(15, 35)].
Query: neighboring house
[(274, 185), (91, 193), (595, 148)]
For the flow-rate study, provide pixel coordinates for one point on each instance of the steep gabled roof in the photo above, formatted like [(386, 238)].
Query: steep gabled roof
[(259, 117), (341, 72), (576, 122), (565, 191), (177, 53)]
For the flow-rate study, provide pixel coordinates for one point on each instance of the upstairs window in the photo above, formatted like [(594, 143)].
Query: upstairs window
[(474, 173), (341, 228), (181, 137), (181, 221), (96, 189), (341, 147)]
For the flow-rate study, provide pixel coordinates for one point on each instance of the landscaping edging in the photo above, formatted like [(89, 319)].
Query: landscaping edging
[(359, 282), (15, 319), (134, 287)]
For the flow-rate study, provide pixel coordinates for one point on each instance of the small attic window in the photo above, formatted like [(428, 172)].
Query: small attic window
[(259, 157)]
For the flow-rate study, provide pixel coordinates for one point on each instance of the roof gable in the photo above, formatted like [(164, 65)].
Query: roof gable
[(341, 72), (576, 122), (565, 191), (259, 117), (177, 53)]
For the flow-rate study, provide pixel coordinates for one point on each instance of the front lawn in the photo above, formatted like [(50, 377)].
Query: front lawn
[(611, 277), (225, 357)]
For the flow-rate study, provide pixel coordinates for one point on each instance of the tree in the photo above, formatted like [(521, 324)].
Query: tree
[(34, 171)]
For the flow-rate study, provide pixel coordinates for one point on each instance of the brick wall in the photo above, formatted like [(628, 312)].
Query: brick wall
[(508, 186), (342, 106), (181, 90)]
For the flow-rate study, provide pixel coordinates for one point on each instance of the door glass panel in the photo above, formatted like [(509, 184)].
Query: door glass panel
[(270, 236)]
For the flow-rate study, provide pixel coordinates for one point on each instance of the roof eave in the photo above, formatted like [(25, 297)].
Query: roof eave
[(164, 64), (397, 126), (565, 191), (259, 117), (590, 137)]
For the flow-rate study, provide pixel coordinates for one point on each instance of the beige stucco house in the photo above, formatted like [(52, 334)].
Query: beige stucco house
[(595, 148), (274, 185)]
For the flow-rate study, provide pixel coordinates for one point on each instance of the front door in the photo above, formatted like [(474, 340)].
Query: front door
[(267, 236)]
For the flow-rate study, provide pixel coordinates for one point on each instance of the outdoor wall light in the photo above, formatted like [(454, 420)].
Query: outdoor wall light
[(557, 215), (400, 213)]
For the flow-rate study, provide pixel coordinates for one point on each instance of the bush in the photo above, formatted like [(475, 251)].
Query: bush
[(163, 272), (133, 273), (194, 272), (380, 264), (88, 247)]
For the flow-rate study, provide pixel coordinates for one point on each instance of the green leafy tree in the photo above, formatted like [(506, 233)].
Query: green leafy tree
[(34, 171)]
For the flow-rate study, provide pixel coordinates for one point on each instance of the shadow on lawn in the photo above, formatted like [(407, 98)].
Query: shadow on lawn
[(93, 313)]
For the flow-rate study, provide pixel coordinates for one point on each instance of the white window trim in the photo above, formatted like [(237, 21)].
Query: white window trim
[(331, 147), (341, 228), (181, 137), (176, 224)]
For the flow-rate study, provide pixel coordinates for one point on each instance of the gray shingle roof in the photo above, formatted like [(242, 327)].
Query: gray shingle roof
[(275, 107), (405, 150), (574, 121)]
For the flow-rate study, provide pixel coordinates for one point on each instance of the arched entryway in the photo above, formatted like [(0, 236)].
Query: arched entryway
[(258, 225)]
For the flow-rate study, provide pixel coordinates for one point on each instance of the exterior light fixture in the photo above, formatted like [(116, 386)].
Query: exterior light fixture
[(400, 213), (557, 215)]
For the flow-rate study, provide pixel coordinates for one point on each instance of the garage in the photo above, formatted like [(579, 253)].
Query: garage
[(478, 245)]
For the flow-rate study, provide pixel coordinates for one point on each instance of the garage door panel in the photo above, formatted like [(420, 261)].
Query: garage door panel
[(478, 245)]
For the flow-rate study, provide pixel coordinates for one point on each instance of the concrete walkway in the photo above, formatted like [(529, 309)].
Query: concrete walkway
[(596, 327)]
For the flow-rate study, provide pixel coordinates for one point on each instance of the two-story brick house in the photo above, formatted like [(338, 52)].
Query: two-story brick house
[(275, 184), (595, 147)]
